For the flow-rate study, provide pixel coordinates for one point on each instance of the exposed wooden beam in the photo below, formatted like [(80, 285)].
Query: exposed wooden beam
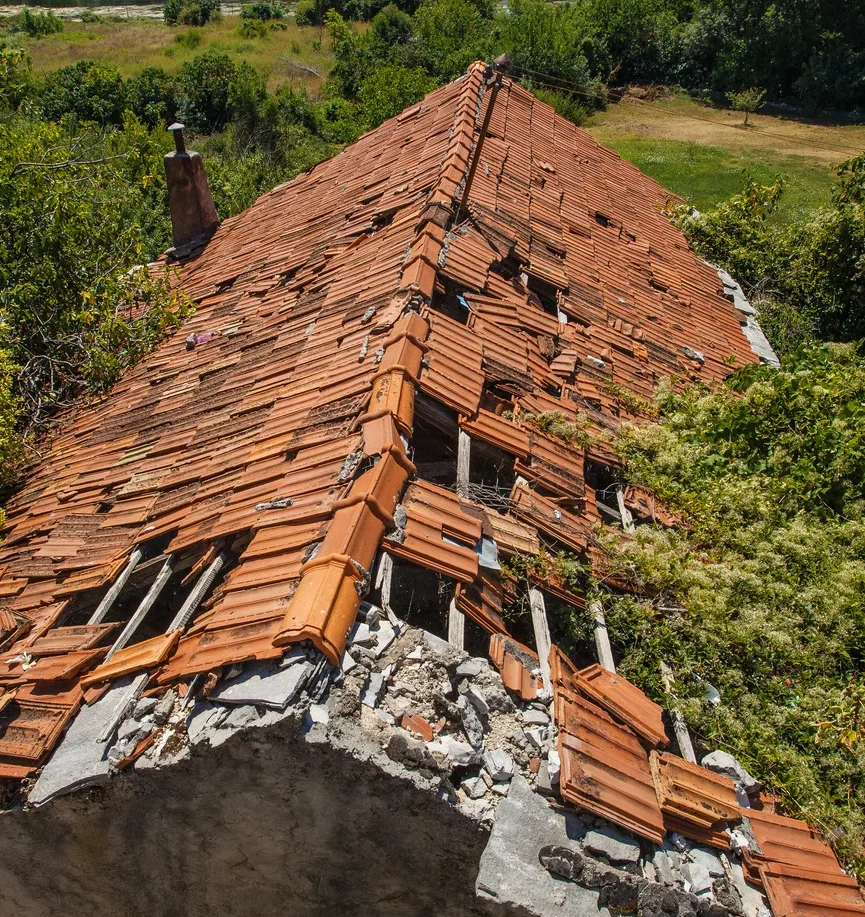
[(543, 642), (110, 597), (602, 638)]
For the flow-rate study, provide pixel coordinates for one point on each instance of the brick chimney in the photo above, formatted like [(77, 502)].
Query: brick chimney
[(193, 214)]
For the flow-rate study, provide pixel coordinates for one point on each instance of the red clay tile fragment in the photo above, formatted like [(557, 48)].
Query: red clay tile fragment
[(417, 725)]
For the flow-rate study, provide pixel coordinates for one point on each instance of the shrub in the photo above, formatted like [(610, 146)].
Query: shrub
[(153, 96), (205, 82), (263, 10), (390, 89), (35, 25), (90, 17), (190, 39), (89, 90), (252, 28), (391, 26), (190, 12)]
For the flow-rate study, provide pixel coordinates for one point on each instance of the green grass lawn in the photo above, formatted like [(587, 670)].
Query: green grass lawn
[(704, 155), (284, 55), (705, 175)]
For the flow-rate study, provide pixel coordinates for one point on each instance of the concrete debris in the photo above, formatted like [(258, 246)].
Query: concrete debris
[(373, 690), (511, 873), (145, 706), (474, 787), (317, 713), (81, 759), (459, 752), (727, 766), (709, 860), (360, 635), (163, 709), (534, 717), (264, 683), (477, 699), (555, 765), (537, 737), (347, 663), (697, 878), (384, 634), (499, 765), (612, 845), (471, 668), (471, 721)]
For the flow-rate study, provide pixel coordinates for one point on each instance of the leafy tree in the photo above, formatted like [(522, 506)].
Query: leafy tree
[(747, 101), (78, 211), (35, 25), (452, 33), (391, 26), (206, 85), (88, 90), (190, 12), (153, 96), (554, 40), (389, 90), (264, 10)]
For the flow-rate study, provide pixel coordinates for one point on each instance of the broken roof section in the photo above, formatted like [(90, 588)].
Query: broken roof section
[(230, 496)]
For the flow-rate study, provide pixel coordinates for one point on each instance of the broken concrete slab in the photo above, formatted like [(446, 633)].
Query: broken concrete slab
[(727, 766), (499, 765), (534, 717), (373, 690), (264, 683), (471, 668), (144, 706), (471, 721), (510, 872), (612, 845), (459, 752), (709, 860), (81, 759), (478, 700)]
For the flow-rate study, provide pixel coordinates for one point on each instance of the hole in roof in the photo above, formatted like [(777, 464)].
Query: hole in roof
[(491, 474), (420, 597), (385, 218), (434, 442), (477, 640), (602, 219)]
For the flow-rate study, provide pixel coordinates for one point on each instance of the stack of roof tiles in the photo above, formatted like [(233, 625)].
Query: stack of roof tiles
[(278, 424)]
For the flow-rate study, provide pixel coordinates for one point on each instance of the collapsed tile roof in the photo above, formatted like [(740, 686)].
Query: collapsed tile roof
[(273, 437)]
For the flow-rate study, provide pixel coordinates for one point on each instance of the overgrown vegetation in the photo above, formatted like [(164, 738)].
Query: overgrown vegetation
[(769, 470), (808, 276)]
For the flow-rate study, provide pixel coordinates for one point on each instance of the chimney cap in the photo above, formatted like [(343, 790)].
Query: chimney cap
[(179, 141)]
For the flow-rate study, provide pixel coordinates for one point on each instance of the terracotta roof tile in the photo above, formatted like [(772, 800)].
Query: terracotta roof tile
[(691, 793), (320, 311), (624, 701)]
